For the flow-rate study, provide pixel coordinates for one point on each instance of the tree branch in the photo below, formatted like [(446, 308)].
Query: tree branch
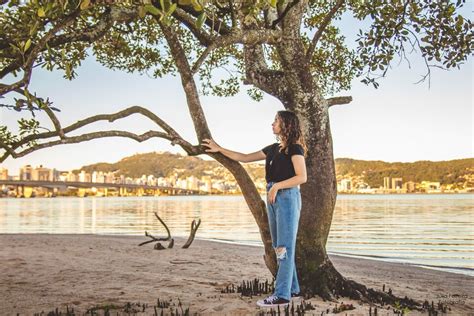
[(28, 65), (169, 134), (258, 74), (248, 37), (54, 119), (284, 13), (91, 136), (215, 25), (187, 20), (339, 100), (327, 19), (187, 81), (90, 35)]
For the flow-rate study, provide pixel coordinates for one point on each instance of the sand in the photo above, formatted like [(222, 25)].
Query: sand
[(39, 272)]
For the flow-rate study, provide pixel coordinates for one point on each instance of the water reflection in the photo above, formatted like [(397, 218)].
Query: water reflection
[(431, 230)]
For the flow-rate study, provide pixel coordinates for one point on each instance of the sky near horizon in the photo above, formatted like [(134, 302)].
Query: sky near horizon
[(398, 122)]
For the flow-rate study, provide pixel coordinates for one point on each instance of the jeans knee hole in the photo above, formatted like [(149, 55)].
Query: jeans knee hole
[(280, 253)]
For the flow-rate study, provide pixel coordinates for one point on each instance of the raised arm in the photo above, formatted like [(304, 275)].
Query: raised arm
[(214, 147)]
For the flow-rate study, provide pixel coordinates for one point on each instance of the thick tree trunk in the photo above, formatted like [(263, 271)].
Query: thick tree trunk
[(315, 270), (316, 273), (318, 202)]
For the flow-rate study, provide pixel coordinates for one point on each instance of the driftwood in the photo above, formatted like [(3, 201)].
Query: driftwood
[(153, 238), (159, 246), (194, 228)]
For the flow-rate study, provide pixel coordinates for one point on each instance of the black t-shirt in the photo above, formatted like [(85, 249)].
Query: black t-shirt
[(278, 165)]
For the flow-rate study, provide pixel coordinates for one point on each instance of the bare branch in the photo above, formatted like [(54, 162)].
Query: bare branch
[(55, 120), (327, 19), (169, 134), (428, 70), (339, 100), (91, 136), (104, 117)]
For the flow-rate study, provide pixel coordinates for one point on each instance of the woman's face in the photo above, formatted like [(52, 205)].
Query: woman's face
[(276, 125)]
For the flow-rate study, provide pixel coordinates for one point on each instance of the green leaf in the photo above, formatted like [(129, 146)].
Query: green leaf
[(196, 5), (152, 9), (27, 45), (172, 8), (273, 3), (164, 19), (41, 13), (34, 28), (451, 10), (184, 2), (201, 19)]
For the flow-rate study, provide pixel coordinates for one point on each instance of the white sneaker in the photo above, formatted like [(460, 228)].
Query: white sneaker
[(273, 301)]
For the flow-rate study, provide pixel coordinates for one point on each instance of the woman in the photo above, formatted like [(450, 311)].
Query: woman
[(285, 170)]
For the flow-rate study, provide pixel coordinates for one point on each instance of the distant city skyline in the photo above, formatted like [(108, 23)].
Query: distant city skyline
[(399, 122), (47, 182)]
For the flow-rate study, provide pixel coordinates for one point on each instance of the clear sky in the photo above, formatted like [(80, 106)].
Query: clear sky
[(400, 121)]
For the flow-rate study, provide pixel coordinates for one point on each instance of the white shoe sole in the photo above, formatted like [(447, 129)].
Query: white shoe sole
[(262, 304)]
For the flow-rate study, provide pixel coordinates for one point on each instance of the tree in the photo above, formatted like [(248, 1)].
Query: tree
[(290, 49)]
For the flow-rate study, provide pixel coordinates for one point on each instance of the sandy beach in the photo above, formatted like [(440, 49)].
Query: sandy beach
[(39, 272)]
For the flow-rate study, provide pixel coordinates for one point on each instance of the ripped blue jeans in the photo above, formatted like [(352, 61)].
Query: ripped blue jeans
[(283, 219)]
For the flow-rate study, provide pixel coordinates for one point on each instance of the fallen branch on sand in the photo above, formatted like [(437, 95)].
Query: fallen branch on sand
[(194, 228), (159, 246)]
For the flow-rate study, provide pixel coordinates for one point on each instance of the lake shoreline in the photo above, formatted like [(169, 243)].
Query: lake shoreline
[(86, 270), (457, 270)]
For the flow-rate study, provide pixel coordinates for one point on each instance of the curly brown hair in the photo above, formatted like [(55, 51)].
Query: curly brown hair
[(291, 132)]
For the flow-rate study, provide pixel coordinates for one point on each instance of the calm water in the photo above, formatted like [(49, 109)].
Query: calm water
[(433, 231)]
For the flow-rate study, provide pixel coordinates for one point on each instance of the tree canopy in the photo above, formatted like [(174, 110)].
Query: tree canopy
[(125, 35)]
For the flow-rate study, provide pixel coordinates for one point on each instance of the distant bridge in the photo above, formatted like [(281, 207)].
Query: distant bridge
[(25, 187)]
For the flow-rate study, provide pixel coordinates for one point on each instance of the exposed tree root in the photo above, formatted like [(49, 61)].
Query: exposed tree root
[(331, 285)]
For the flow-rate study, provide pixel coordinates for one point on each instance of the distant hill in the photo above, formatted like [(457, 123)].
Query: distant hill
[(164, 164), (445, 172), (157, 164)]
